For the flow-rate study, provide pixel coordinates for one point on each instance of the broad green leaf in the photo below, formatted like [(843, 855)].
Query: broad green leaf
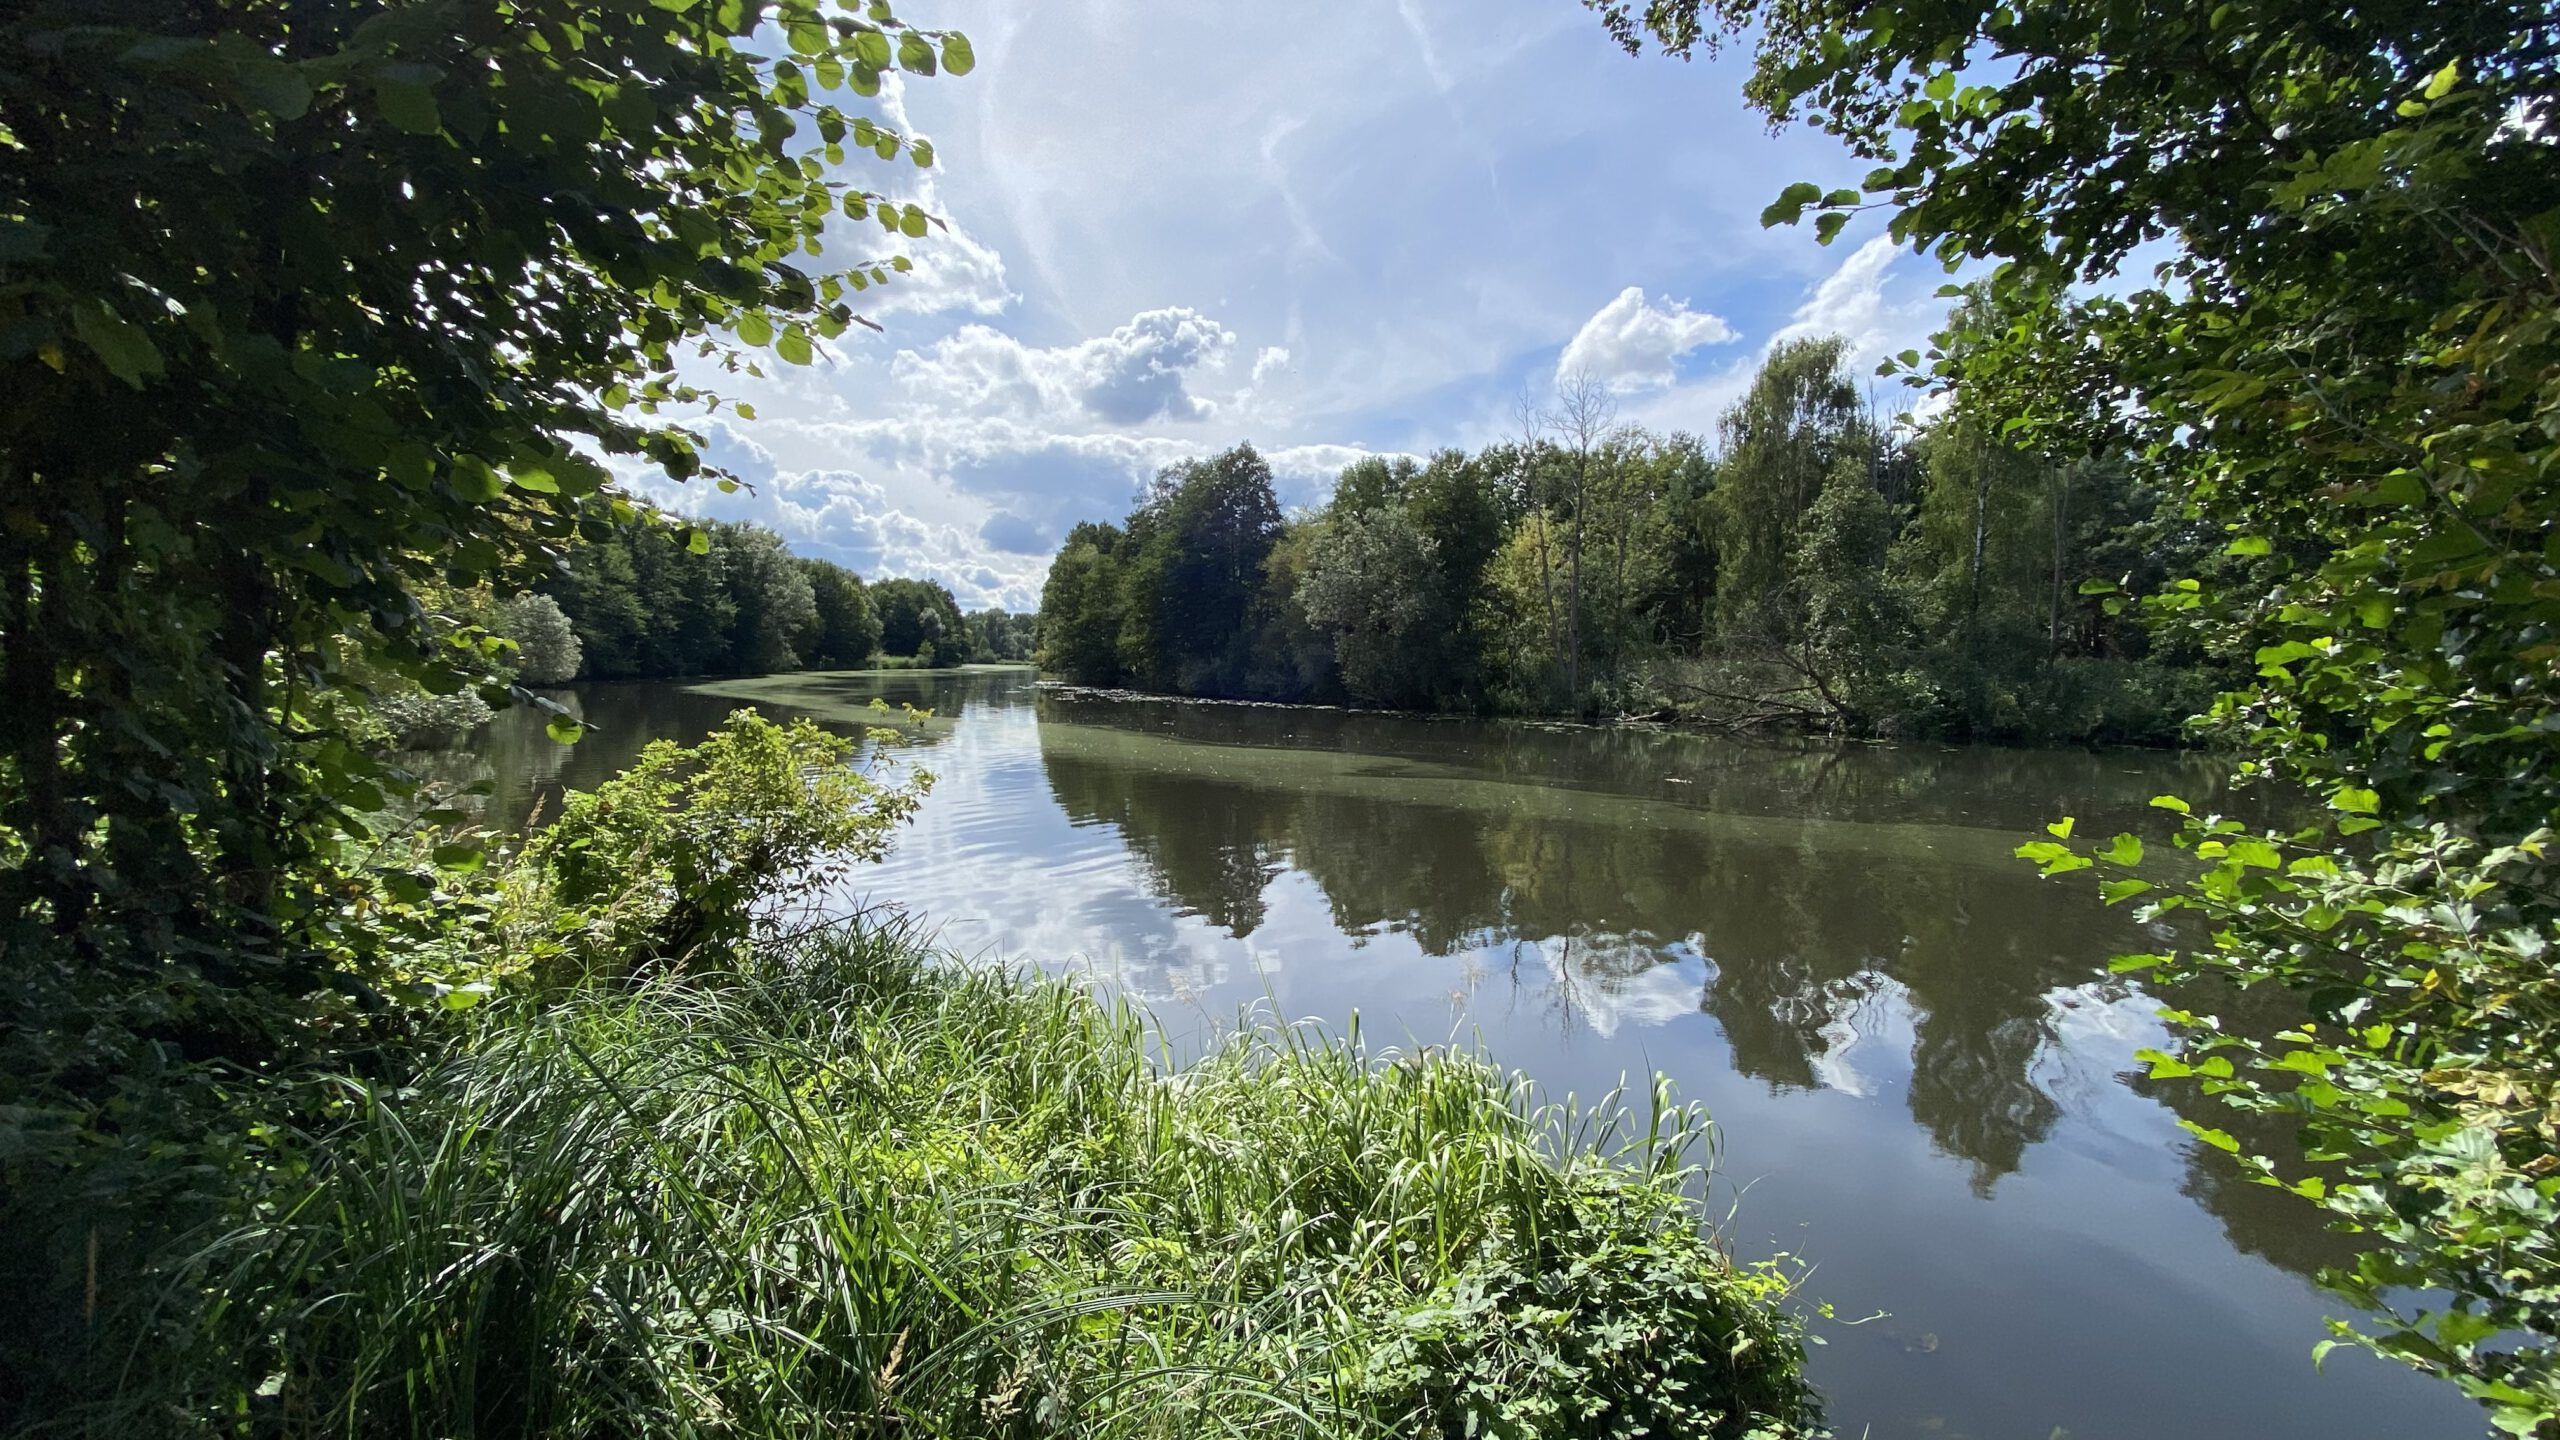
[(1790, 205), (272, 86), (119, 344), (408, 105)]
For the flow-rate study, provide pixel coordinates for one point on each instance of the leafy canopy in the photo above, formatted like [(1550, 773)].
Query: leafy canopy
[(305, 310)]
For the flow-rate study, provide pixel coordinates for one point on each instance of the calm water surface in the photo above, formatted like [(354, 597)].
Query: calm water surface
[(1918, 1063)]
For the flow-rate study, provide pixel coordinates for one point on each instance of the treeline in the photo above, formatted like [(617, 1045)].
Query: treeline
[(1818, 568), (735, 601)]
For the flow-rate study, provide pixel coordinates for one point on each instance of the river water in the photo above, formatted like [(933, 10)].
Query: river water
[(1920, 1068)]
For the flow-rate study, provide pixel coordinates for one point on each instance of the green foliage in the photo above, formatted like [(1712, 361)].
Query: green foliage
[(1001, 635), (1200, 541), (1367, 584), (688, 847), (1596, 567), (1796, 426), (308, 312), (846, 1185), (727, 599), (848, 629), (1080, 607), (2347, 371), (920, 618), (546, 644)]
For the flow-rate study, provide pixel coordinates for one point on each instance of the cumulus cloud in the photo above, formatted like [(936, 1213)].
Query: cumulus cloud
[(1272, 360), (1137, 373), (1850, 302), (1017, 534), (1632, 343)]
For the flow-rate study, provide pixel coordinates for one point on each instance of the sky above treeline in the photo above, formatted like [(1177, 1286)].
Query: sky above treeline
[(1328, 229)]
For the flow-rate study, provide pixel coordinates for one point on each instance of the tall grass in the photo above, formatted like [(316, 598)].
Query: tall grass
[(850, 1190)]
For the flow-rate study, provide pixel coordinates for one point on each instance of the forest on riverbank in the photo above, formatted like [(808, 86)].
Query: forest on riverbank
[(653, 597), (730, 599), (1821, 567)]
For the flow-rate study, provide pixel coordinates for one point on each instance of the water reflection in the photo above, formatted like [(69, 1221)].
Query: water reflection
[(1915, 1052), (1794, 934)]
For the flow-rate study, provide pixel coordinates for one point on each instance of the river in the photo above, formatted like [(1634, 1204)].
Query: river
[(1920, 1068)]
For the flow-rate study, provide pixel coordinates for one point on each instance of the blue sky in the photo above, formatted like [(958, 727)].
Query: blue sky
[(1330, 229)]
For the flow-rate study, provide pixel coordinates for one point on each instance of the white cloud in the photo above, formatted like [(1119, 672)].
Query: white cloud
[(1633, 344), (1850, 302), (955, 271), (1273, 360), (1135, 374)]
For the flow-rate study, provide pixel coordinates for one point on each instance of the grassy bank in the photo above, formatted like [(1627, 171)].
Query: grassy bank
[(626, 1160), (847, 1190)]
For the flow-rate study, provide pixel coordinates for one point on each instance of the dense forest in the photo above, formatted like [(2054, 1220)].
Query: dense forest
[(1816, 568), (734, 601), (650, 599)]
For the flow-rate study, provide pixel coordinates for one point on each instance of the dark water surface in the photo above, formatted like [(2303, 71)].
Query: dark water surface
[(1919, 1065)]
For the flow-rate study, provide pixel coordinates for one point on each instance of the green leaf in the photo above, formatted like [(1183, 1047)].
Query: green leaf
[(2218, 1139), (565, 729), (1790, 205), (2124, 850), (754, 328), (957, 57), (463, 997), (915, 54), (912, 222), (408, 105), (2442, 82), (2249, 545), (1828, 225), (22, 240), (2117, 891), (460, 855), (2060, 829), (794, 347), (473, 480), (697, 541), (273, 86), (119, 344), (2170, 802)]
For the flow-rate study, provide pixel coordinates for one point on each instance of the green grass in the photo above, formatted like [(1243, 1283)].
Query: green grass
[(857, 1191)]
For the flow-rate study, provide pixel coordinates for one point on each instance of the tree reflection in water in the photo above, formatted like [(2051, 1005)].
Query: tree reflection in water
[(1810, 899)]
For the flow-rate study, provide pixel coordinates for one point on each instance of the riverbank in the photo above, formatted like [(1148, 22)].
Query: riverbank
[(846, 1187), (1667, 719), (633, 1168)]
